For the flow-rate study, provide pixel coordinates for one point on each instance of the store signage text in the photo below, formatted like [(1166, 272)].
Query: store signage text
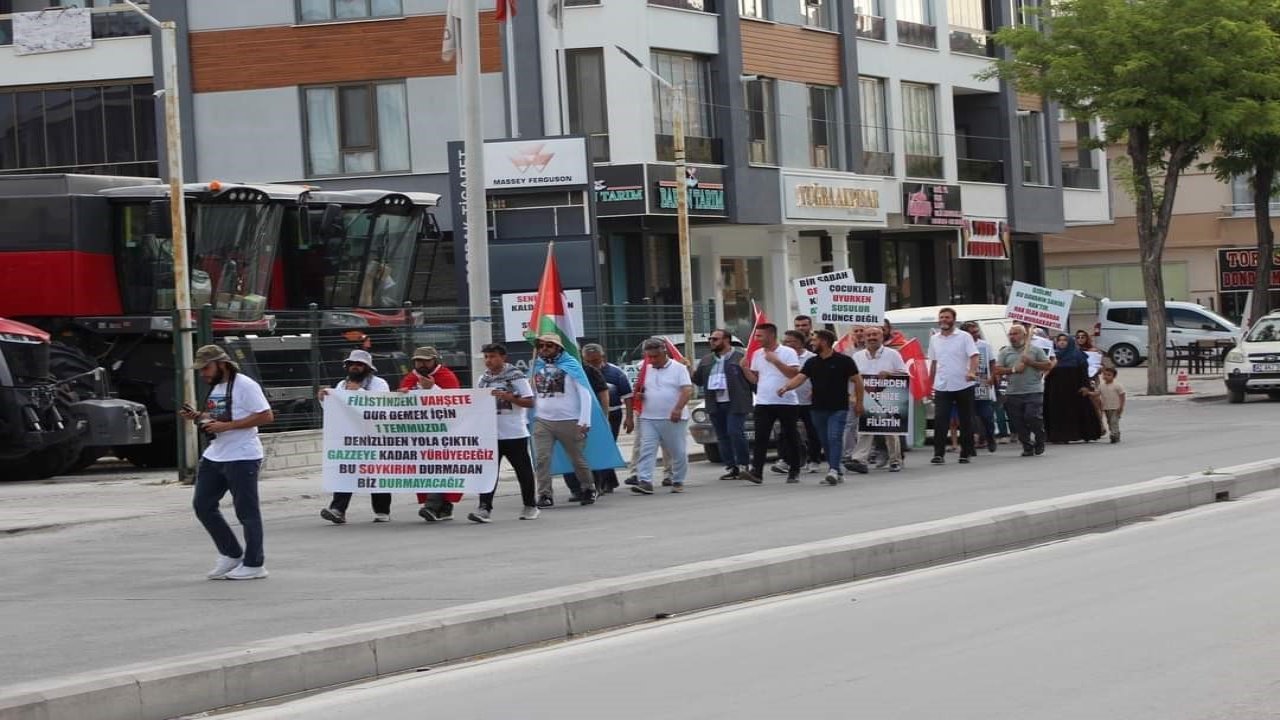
[(925, 204), (1238, 269), (984, 240)]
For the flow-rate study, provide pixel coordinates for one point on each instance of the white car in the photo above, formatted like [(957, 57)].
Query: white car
[(1121, 330), (1253, 366)]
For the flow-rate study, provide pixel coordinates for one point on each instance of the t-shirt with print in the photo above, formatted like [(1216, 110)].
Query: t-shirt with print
[(247, 399), (1028, 382), (513, 423), (662, 388), (830, 378), (952, 353), (771, 378), (560, 396), (373, 383), (983, 389)]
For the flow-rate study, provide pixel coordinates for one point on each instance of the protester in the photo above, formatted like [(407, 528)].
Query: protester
[(803, 324), (812, 452), (600, 388), (428, 373), (953, 368), (892, 338), (236, 407), (878, 361), (830, 375), (361, 377), (727, 401), (1023, 365), (1113, 399), (1084, 341), (984, 392), (563, 407), (618, 409), (512, 397), (664, 417), (1069, 413), (769, 368)]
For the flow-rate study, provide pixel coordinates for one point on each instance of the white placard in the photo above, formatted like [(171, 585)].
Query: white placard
[(550, 162), (1039, 306), (423, 441), (517, 309), (835, 297), (53, 30), (833, 198)]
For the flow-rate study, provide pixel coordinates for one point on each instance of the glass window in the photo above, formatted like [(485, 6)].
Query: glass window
[(875, 125), (90, 139), (31, 130), (1031, 130), (1128, 316), (867, 7), (919, 119), (8, 133), (970, 14), (817, 13), (1027, 12), (357, 129), (823, 137), (327, 10), (588, 106), (761, 119), (916, 11), (77, 128), (693, 73), (753, 9)]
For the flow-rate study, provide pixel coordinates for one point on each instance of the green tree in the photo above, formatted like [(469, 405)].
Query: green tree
[(1255, 154), (1168, 78)]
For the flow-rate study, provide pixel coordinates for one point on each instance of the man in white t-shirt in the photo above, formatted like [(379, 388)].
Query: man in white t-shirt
[(877, 361), (769, 368), (953, 368), (564, 401), (233, 412), (512, 397), (361, 377), (664, 417)]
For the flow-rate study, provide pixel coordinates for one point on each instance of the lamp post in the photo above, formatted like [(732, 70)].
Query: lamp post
[(682, 200)]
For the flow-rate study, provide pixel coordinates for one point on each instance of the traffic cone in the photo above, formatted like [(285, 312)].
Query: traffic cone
[(1184, 384)]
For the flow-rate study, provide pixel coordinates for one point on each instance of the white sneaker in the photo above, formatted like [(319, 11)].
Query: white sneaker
[(224, 566), (531, 512), (816, 467), (244, 572), (382, 517)]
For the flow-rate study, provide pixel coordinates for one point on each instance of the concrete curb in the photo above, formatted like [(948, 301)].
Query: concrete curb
[(298, 663)]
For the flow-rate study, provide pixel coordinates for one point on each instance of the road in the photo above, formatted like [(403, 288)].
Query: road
[(1167, 620), (86, 597)]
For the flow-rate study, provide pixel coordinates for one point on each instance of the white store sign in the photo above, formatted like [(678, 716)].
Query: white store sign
[(550, 162), (517, 310), (834, 198)]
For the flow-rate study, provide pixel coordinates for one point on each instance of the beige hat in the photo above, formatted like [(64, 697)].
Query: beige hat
[(211, 354), (360, 356), (552, 338), (426, 353)]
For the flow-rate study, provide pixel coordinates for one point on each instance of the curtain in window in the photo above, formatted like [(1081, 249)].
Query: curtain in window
[(875, 137), (916, 11), (867, 7), (393, 128), (919, 120), (690, 73), (315, 10), (1031, 125), (966, 14), (322, 131)]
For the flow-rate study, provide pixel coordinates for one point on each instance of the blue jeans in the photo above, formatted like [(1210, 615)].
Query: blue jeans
[(213, 480), (731, 435), (830, 425), (985, 410), (673, 436)]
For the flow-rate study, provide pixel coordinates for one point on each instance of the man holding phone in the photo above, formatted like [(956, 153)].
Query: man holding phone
[(428, 373)]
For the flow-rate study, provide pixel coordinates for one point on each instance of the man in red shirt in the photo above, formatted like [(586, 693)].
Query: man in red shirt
[(429, 373)]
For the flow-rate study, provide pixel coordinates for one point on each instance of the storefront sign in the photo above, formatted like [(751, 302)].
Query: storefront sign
[(831, 198), (705, 185), (983, 240), (1238, 269), (549, 162), (835, 297), (517, 310), (925, 204), (1038, 306), (887, 406), (619, 190), (423, 441)]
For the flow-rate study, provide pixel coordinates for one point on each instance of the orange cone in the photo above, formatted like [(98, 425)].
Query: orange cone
[(1184, 384)]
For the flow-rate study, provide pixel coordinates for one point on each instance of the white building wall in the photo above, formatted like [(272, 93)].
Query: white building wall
[(108, 59)]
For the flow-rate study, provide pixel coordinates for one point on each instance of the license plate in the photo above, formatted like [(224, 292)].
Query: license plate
[(1266, 367)]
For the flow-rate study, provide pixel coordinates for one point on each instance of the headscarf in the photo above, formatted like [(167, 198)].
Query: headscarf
[(1072, 355)]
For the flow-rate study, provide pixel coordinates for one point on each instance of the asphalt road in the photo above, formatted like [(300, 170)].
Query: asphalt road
[(1169, 620), (92, 596)]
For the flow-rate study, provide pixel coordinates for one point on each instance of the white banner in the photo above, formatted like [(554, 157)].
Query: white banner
[(52, 30), (1038, 306), (834, 297), (517, 310), (549, 162), (424, 441)]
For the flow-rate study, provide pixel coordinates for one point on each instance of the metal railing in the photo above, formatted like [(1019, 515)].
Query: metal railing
[(877, 163), (924, 166), (869, 26), (975, 170), (910, 33), (1074, 176), (972, 42)]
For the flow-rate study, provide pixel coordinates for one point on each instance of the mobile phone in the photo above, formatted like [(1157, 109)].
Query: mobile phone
[(187, 408)]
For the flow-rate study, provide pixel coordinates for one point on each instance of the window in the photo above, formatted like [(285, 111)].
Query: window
[(588, 112), (920, 124), (92, 129), (877, 158), (1128, 316), (817, 13), (357, 129), (693, 73), (761, 121), (971, 22), (919, 12), (753, 9), (822, 126), (1031, 130), (1028, 12), (915, 23), (868, 19), (326, 10), (1185, 319)]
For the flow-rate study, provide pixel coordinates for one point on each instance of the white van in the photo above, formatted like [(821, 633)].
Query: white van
[(1121, 330), (921, 322)]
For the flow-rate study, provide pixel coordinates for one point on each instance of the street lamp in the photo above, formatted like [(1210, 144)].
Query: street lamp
[(682, 200)]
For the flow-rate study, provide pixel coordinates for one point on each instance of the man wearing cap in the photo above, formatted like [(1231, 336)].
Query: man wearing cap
[(614, 390), (428, 372), (563, 408), (361, 377), (235, 408)]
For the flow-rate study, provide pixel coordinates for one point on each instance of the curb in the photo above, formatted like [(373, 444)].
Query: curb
[(309, 661)]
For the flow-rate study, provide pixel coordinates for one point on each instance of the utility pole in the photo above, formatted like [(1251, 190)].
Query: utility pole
[(682, 200), (477, 257), (178, 219)]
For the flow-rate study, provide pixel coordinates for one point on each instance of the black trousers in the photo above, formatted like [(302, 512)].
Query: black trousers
[(381, 502), (788, 439), (516, 452), (812, 442), (943, 403), (603, 479)]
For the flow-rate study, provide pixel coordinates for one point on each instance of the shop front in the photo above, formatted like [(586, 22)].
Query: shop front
[(1237, 272)]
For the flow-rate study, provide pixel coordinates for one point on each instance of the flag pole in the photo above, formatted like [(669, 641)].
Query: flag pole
[(477, 231), (509, 31)]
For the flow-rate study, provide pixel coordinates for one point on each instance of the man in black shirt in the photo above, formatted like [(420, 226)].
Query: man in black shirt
[(830, 373)]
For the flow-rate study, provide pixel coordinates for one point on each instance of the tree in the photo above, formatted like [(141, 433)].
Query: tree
[(1168, 78), (1257, 155)]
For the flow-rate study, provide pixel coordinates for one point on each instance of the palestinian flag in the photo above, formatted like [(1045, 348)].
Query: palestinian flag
[(551, 310)]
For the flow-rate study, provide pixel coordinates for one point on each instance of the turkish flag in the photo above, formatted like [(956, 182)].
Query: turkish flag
[(918, 368), (504, 9), (752, 344)]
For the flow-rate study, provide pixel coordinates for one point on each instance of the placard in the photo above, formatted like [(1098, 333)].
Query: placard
[(887, 406), (1038, 306), (517, 309), (835, 297), (929, 204), (422, 441), (52, 30)]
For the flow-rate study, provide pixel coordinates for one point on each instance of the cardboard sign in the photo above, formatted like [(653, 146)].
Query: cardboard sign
[(518, 307), (1038, 306), (835, 297), (888, 407)]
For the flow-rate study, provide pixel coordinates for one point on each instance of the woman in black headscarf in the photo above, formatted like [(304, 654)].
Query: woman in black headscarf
[(1069, 414)]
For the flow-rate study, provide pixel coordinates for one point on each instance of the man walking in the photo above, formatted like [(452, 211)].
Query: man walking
[(563, 415), (830, 373), (429, 373), (878, 361), (614, 400), (236, 407), (728, 400), (664, 417), (361, 377), (769, 369), (984, 391), (1024, 365), (512, 397), (812, 452), (953, 368)]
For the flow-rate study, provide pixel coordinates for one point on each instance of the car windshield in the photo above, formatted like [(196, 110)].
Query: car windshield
[(1266, 330)]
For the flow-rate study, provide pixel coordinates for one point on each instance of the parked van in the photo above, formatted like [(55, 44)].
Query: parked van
[(922, 322), (1121, 330)]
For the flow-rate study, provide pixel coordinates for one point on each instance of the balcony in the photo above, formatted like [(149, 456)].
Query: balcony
[(695, 5), (924, 166), (702, 150), (114, 24), (910, 33), (877, 163), (869, 27), (977, 170), (972, 42), (1082, 178)]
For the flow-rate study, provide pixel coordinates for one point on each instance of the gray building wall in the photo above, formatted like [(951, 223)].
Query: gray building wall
[(753, 196)]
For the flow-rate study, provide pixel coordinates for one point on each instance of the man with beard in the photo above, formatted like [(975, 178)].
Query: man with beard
[(728, 400), (361, 377), (835, 387), (513, 397), (428, 373), (563, 415), (235, 408), (877, 361), (953, 368), (769, 368)]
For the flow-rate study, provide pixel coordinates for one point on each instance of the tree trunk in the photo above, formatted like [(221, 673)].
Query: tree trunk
[(1150, 250), (1263, 179)]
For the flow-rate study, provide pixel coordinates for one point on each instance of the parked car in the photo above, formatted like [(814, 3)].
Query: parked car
[(1253, 366), (1121, 329)]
